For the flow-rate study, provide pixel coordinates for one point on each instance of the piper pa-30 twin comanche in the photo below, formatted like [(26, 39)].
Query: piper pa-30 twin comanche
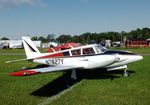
[(83, 57)]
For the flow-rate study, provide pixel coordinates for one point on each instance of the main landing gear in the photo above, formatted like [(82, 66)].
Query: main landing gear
[(74, 74), (70, 78)]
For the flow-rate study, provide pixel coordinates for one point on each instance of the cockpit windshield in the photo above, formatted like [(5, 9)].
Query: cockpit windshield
[(100, 49)]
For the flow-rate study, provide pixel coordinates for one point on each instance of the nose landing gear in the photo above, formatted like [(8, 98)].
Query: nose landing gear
[(125, 73)]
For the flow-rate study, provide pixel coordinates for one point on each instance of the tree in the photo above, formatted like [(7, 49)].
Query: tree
[(64, 38), (43, 39), (86, 37), (34, 38), (76, 38), (145, 32), (51, 37), (138, 34), (4, 38)]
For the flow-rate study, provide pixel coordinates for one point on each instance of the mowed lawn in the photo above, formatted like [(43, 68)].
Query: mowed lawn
[(93, 88)]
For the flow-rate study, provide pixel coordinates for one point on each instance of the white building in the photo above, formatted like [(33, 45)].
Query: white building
[(47, 45), (37, 43), (16, 43), (53, 44)]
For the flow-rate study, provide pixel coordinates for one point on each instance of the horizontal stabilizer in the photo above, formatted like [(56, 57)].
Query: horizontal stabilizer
[(16, 60)]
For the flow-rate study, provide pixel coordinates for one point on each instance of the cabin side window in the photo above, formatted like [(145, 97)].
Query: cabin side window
[(76, 52), (66, 53), (88, 51)]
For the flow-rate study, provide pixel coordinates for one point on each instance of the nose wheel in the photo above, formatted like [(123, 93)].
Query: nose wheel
[(125, 73)]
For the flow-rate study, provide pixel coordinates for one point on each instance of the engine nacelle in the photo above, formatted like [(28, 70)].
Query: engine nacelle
[(117, 68)]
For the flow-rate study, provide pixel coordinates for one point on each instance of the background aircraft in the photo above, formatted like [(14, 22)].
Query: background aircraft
[(83, 57)]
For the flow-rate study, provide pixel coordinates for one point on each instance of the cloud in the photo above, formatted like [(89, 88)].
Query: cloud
[(13, 3)]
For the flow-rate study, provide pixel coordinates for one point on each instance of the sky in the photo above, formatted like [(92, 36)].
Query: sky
[(42, 17)]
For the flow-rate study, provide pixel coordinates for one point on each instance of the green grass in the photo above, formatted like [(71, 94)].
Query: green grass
[(17, 90), (18, 50), (134, 90), (11, 50), (136, 50)]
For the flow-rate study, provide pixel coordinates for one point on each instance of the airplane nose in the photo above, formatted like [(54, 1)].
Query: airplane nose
[(139, 57)]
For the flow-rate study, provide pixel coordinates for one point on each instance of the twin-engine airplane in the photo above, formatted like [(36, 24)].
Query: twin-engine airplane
[(83, 57)]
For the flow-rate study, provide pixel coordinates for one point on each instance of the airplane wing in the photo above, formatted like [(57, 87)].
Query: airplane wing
[(41, 70)]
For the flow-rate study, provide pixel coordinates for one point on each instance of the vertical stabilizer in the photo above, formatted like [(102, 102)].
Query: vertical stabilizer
[(30, 49)]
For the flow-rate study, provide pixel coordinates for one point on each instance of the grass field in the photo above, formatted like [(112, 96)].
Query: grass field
[(93, 88)]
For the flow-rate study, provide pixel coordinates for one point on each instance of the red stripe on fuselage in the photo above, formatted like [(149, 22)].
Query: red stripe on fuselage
[(52, 55)]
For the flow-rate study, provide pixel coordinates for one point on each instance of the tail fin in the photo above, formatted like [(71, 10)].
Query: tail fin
[(30, 49)]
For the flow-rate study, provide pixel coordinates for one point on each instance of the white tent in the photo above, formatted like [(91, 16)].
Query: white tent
[(37, 43), (15, 44)]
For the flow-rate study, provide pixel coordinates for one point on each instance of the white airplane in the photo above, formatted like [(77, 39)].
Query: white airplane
[(83, 57)]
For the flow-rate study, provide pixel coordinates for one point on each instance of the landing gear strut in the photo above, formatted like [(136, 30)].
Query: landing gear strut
[(125, 73), (71, 78), (73, 75)]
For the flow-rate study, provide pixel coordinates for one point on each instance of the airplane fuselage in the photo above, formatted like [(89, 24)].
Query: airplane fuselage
[(105, 60)]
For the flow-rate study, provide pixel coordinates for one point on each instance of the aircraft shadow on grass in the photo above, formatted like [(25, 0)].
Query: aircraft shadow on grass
[(64, 82)]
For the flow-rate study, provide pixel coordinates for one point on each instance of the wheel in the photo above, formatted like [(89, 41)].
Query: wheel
[(125, 74)]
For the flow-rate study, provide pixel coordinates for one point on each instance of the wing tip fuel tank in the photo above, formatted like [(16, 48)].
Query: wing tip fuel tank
[(23, 73)]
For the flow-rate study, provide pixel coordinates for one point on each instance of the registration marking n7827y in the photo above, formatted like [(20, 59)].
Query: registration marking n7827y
[(54, 61)]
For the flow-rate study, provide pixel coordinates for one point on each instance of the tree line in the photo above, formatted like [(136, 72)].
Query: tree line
[(138, 34)]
